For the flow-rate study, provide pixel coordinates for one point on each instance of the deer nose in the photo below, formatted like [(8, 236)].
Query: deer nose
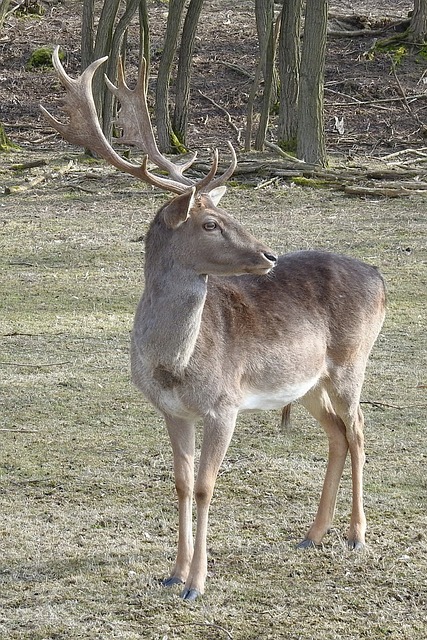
[(270, 256)]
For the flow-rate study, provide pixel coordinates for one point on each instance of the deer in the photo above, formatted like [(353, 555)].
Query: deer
[(224, 325)]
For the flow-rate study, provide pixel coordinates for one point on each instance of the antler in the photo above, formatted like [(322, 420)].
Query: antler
[(83, 129)]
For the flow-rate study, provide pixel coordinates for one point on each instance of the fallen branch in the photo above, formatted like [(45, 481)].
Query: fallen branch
[(267, 183), (240, 70), (373, 102), (396, 154), (28, 165), (374, 403), (384, 192), (282, 153), (210, 625), (19, 430), (404, 97), (18, 189), (349, 33), (34, 366)]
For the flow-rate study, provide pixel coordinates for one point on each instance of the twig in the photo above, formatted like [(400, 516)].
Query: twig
[(266, 183), (235, 67), (228, 116), (402, 152), (391, 406), (28, 165), (35, 366), (403, 94), (345, 95), (282, 153), (379, 101), (207, 624), (22, 430)]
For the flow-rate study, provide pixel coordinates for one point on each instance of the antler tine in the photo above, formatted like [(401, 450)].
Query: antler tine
[(224, 176), (202, 185), (134, 120), (84, 129)]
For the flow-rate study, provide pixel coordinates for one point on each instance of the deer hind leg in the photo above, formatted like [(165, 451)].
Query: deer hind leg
[(216, 438), (182, 437), (344, 391), (318, 403)]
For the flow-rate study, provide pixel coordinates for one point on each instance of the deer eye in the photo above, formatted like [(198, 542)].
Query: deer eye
[(210, 225)]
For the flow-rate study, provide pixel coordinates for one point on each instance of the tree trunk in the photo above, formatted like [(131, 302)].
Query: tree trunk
[(109, 101), (289, 73), (164, 127), (109, 39), (182, 100), (417, 31), (88, 33), (144, 33), (4, 6), (264, 16), (270, 55), (310, 137)]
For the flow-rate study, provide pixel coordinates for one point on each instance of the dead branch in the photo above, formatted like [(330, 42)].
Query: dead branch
[(228, 116), (374, 403), (373, 102), (384, 192), (405, 151), (29, 185), (34, 366), (22, 430), (240, 70), (344, 32), (282, 153), (207, 625), (28, 165), (404, 97)]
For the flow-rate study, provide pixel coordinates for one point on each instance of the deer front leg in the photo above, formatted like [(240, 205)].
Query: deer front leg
[(217, 434), (182, 435)]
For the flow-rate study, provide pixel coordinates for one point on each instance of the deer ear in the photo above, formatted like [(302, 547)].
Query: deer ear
[(216, 194), (176, 212)]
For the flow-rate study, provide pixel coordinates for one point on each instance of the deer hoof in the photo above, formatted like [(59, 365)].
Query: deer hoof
[(190, 594), (355, 545), (307, 544), (169, 582)]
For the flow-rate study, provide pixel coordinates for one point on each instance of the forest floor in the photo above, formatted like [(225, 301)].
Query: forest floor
[(382, 111)]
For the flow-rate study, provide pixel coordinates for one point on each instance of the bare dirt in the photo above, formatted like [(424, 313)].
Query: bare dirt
[(359, 88)]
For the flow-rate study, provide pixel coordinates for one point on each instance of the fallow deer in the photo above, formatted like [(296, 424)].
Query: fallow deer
[(224, 326)]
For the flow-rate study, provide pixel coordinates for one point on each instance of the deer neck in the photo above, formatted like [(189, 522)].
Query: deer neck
[(168, 318)]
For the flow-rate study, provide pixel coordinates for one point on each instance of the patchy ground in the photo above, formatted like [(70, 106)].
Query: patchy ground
[(359, 89)]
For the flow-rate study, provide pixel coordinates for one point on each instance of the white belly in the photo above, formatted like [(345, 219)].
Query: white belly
[(254, 399)]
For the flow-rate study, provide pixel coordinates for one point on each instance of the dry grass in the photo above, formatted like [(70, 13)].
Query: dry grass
[(88, 524)]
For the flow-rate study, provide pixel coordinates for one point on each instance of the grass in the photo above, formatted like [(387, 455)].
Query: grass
[(89, 517)]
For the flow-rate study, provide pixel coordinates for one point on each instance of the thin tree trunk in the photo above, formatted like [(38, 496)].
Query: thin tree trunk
[(270, 55), (88, 33), (164, 127), (144, 33), (289, 73), (264, 16), (310, 137), (417, 31), (182, 100), (116, 45)]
